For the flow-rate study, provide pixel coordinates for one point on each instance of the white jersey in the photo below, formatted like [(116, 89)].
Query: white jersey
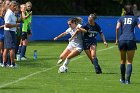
[(76, 42), (78, 37)]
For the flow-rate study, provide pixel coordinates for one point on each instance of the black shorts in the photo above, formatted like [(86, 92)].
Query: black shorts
[(9, 40), (87, 44), (29, 32), (127, 45), (24, 35)]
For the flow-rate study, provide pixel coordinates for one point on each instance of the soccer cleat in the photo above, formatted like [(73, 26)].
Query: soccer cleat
[(122, 81), (98, 72), (59, 61), (127, 82), (23, 58)]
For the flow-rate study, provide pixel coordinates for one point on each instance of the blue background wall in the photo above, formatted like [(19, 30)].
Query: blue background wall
[(47, 27)]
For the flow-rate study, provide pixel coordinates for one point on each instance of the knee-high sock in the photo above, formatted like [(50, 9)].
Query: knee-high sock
[(8, 59), (1, 61), (23, 51), (123, 69), (128, 71), (95, 63), (66, 62), (19, 49)]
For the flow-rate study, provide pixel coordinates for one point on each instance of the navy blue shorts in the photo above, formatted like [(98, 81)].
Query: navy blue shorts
[(9, 39), (127, 45), (24, 35), (88, 43)]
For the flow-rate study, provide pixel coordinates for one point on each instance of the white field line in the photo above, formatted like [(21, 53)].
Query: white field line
[(45, 70)]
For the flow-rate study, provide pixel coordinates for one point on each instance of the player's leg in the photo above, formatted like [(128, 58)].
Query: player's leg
[(122, 65), (63, 56), (24, 45), (1, 52), (5, 52), (130, 56), (73, 53), (95, 59)]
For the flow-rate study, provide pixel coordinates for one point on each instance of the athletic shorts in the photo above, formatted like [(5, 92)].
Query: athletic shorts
[(127, 45), (87, 44), (71, 46), (24, 35), (9, 40)]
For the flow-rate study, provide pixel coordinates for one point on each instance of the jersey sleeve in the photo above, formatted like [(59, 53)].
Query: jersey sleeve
[(7, 18), (138, 21), (119, 20), (68, 31), (99, 29), (85, 27)]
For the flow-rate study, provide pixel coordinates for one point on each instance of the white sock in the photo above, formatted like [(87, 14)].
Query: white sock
[(66, 62)]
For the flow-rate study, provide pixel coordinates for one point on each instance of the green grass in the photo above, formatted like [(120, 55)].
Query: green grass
[(40, 76)]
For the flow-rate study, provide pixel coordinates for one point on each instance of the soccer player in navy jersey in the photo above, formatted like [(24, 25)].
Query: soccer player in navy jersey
[(126, 42), (90, 31)]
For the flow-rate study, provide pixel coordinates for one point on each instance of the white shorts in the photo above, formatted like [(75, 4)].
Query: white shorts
[(71, 46)]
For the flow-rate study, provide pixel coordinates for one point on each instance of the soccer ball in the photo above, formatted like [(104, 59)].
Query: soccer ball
[(63, 69)]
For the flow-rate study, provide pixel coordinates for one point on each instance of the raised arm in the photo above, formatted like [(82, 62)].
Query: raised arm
[(117, 32), (59, 36)]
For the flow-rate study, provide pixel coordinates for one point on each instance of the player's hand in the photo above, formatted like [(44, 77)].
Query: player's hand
[(55, 38), (30, 13), (116, 42), (105, 43), (70, 39)]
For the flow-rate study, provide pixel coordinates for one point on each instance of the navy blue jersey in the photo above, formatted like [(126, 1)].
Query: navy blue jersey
[(92, 31), (128, 24)]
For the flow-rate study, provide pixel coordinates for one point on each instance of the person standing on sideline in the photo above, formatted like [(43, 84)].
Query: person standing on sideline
[(9, 34), (1, 32), (90, 31), (26, 17), (126, 42)]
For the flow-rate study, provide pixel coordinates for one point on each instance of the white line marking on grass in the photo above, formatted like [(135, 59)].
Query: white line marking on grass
[(38, 72)]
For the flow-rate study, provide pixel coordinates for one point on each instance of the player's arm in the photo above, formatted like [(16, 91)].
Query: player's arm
[(139, 26), (104, 40), (76, 32), (2, 26), (117, 32), (59, 36), (26, 16)]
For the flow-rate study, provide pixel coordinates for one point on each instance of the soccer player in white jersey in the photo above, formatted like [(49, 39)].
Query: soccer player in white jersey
[(75, 46)]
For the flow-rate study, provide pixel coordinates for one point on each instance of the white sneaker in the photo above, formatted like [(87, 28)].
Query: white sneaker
[(1, 64), (12, 66), (23, 58), (59, 61)]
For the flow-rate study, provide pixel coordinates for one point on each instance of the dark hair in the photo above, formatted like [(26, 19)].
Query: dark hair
[(76, 20), (94, 16), (128, 10)]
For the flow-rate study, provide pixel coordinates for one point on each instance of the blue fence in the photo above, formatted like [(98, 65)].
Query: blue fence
[(47, 27)]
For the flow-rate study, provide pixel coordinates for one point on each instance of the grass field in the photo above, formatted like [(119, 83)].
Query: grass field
[(40, 76)]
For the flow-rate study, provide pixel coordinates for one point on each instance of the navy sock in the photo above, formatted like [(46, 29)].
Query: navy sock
[(128, 71), (19, 49), (122, 68), (1, 61), (8, 59), (23, 51), (96, 65)]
